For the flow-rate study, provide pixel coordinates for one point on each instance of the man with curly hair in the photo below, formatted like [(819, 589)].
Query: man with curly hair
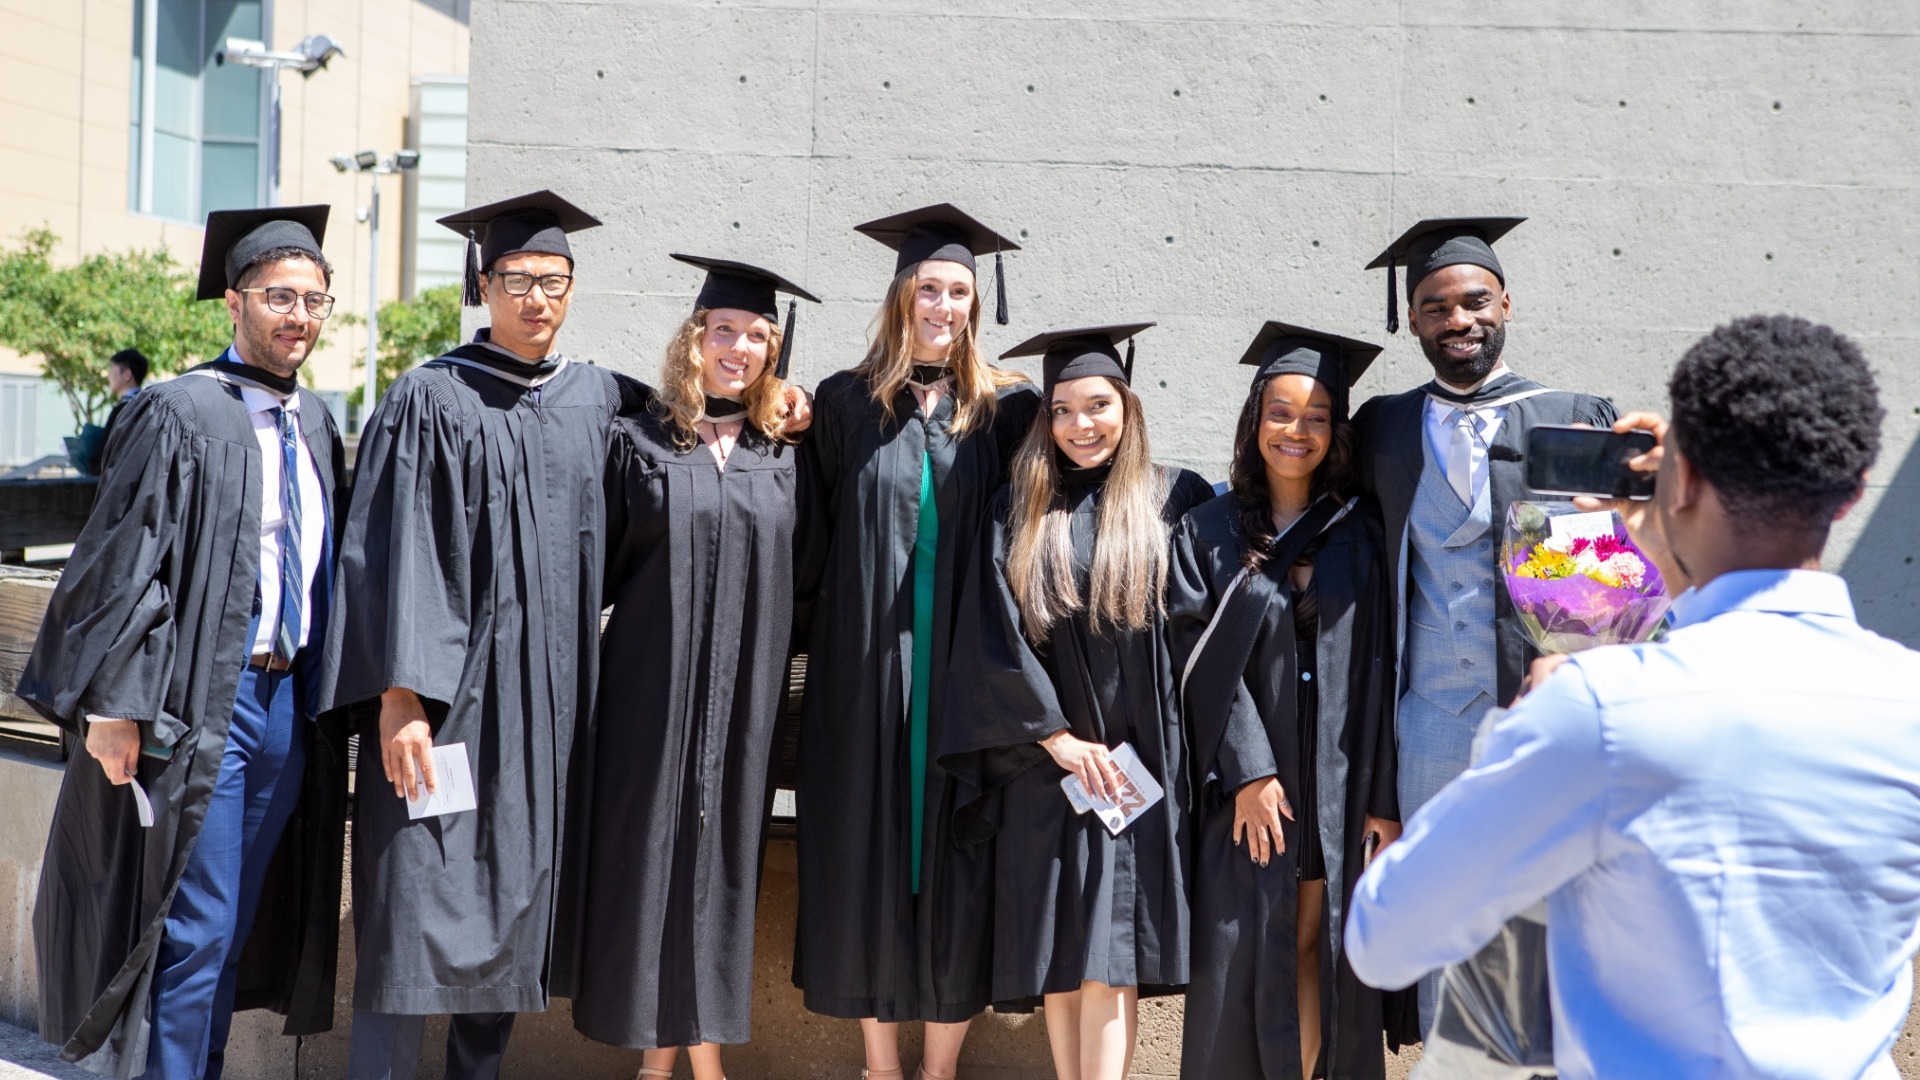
[(1725, 823)]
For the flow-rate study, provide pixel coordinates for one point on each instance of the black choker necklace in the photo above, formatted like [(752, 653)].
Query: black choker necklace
[(928, 374), (720, 409)]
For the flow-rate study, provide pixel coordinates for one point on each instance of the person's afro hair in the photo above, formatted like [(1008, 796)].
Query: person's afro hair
[(1781, 416)]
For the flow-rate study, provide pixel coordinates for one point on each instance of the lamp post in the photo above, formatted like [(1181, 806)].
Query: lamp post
[(368, 161), (314, 53)]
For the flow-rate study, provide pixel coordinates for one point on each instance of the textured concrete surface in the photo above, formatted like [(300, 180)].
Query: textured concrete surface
[(1211, 166)]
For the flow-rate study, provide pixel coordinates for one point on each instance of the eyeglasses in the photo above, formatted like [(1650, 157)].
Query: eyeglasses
[(518, 284), (281, 299)]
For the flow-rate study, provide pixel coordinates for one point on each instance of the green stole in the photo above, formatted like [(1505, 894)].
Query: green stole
[(926, 545)]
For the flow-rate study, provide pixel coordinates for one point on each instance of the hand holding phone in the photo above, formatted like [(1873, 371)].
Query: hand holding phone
[(1588, 461)]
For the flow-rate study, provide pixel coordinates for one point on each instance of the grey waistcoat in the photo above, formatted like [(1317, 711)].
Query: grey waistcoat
[(1451, 655)]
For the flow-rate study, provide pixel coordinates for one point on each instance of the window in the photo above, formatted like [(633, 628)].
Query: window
[(199, 130), (19, 420)]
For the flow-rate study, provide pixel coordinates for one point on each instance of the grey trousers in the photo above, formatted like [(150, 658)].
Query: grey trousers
[(386, 1046)]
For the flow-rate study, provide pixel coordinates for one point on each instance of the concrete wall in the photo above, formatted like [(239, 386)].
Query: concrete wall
[(1211, 166)]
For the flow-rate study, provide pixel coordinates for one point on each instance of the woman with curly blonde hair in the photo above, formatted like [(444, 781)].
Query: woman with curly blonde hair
[(662, 875), (906, 449)]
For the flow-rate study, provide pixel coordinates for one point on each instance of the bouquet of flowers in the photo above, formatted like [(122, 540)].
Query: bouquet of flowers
[(1577, 581)]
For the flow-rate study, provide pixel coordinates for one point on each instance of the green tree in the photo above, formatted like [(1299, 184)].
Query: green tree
[(411, 332), (75, 317)]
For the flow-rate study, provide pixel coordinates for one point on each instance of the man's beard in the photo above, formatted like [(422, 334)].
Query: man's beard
[(1472, 369), (260, 346)]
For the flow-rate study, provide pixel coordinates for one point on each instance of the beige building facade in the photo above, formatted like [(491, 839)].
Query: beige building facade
[(122, 131)]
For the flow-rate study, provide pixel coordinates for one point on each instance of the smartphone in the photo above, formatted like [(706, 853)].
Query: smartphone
[(1587, 461)]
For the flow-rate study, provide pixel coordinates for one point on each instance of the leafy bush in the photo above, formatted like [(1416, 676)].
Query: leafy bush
[(413, 331), (75, 317)]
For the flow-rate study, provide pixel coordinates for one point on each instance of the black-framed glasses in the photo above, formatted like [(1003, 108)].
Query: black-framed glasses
[(518, 284), (281, 299)]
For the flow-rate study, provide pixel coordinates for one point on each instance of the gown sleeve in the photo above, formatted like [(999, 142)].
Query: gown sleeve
[(107, 643), (404, 582), (1235, 751), (1000, 697), (816, 473)]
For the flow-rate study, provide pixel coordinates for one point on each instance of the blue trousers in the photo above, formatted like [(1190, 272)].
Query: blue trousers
[(219, 893)]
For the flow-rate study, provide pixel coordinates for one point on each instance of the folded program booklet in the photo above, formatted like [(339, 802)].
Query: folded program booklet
[(453, 783), (1138, 791)]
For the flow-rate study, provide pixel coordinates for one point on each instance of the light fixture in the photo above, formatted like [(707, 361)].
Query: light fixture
[(314, 53)]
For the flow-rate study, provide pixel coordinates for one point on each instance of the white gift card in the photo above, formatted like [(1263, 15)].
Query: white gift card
[(142, 806), (1138, 791), (1583, 526), (454, 781)]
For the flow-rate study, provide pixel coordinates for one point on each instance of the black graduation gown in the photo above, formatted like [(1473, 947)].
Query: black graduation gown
[(1390, 446), (1072, 902), (866, 945), (470, 574), (151, 621), (1242, 1014), (668, 830)]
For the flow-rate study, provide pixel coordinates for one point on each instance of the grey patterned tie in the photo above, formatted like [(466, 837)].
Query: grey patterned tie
[(286, 637)]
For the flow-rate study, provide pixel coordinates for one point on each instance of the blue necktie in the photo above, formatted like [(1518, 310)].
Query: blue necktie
[(286, 637)]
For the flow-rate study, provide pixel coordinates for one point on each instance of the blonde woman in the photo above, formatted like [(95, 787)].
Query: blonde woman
[(1059, 661), (906, 449), (671, 790)]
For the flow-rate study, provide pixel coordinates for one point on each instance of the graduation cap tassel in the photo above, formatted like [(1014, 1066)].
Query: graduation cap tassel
[(1393, 300), (786, 341), (1129, 361), (1000, 286), (470, 290)]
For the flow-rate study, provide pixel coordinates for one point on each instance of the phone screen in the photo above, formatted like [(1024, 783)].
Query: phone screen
[(1587, 461)]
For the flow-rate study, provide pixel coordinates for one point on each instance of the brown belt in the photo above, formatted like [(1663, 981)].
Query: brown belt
[(266, 661)]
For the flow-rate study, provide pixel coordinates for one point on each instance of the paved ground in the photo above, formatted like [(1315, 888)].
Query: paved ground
[(24, 1057)]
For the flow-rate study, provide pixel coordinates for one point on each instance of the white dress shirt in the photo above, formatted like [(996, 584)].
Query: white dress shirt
[(1726, 827), (1440, 431), (313, 513)]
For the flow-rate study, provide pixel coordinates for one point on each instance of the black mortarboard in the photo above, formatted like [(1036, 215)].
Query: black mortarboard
[(1077, 354), (1436, 243), (538, 222), (1335, 362), (943, 232), (738, 285), (236, 238)]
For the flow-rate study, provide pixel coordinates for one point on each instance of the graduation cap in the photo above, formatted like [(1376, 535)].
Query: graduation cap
[(943, 232), (235, 239), (1436, 243), (744, 287), (537, 222), (1077, 354), (1335, 362)]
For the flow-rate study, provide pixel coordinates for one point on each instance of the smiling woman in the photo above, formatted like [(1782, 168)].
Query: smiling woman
[(906, 450), (1060, 661)]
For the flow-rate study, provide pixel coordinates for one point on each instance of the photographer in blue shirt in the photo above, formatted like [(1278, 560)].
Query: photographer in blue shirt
[(1725, 825)]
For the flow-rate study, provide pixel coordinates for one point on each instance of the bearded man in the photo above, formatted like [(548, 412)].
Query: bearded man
[(181, 647), (1444, 460)]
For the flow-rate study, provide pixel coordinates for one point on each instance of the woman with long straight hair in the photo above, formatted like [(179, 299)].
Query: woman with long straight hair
[(672, 785), (1060, 661), (906, 450), (1281, 617)]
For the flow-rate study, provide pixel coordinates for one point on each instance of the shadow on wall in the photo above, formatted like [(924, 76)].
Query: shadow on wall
[(460, 11), (1880, 568)]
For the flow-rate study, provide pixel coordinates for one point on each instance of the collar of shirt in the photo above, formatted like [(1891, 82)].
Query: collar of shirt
[(260, 401), (1784, 592)]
